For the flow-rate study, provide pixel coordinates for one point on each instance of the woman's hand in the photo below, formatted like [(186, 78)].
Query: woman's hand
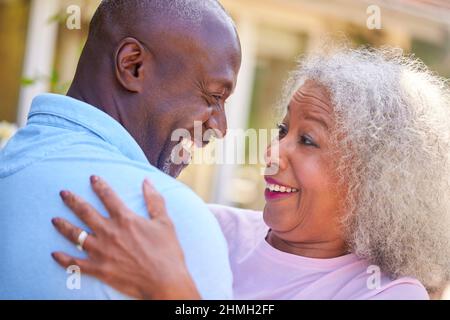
[(138, 256)]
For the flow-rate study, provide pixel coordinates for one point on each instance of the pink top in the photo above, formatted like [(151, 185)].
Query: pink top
[(263, 272)]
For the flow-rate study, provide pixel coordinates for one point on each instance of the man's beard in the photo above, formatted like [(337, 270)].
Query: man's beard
[(172, 169), (166, 166)]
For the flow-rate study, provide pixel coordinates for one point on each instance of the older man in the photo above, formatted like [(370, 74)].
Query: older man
[(148, 68)]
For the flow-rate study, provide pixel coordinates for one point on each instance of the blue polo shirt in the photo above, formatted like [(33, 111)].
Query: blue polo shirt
[(64, 142)]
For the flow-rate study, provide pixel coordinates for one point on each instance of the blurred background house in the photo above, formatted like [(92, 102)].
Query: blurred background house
[(40, 50)]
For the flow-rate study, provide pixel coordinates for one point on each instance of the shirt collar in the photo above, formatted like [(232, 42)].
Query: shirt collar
[(72, 112)]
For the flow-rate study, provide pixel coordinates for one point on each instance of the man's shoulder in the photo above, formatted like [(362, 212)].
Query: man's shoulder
[(70, 156), (34, 144), (68, 166)]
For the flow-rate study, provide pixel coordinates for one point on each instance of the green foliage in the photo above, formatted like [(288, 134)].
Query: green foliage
[(27, 81), (56, 85)]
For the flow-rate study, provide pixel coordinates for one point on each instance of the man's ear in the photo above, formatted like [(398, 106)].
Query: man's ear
[(130, 69)]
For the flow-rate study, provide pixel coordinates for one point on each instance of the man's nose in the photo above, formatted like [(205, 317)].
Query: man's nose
[(218, 122)]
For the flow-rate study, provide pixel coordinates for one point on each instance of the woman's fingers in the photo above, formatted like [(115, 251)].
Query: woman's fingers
[(113, 251), (83, 210), (108, 197), (71, 233), (66, 261), (155, 202)]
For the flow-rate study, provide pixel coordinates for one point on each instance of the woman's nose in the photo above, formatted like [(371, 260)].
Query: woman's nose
[(274, 157)]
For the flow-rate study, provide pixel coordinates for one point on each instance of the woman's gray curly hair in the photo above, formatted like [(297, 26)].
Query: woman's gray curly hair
[(393, 136)]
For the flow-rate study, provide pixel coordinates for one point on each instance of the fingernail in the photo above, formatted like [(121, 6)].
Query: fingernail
[(55, 221), (147, 183), (64, 194), (94, 179), (53, 255)]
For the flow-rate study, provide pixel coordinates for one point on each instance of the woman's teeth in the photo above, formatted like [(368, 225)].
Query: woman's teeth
[(278, 188)]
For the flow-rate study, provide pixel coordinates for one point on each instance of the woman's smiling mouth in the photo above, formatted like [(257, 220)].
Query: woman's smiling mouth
[(275, 190)]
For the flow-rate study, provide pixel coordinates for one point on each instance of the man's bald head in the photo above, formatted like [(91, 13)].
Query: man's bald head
[(190, 10), (123, 17)]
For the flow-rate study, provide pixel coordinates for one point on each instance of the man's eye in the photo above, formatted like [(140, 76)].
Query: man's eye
[(217, 98), (307, 141), (282, 130)]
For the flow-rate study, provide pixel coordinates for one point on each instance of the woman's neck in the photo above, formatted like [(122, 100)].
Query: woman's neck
[(325, 249)]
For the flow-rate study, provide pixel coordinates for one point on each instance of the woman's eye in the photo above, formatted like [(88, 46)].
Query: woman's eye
[(282, 130), (307, 141)]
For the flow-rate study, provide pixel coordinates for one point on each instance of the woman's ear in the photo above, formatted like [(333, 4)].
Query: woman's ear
[(130, 58)]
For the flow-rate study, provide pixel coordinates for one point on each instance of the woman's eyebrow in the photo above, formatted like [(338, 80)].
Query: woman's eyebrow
[(315, 97), (317, 119), (313, 117)]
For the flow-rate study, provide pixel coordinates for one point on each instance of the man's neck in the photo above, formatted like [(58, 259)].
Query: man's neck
[(94, 97)]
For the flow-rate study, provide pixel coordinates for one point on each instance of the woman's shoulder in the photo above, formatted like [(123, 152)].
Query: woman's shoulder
[(360, 279), (243, 228), (403, 288)]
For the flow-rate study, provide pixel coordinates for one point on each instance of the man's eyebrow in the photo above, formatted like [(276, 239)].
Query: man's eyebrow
[(226, 83)]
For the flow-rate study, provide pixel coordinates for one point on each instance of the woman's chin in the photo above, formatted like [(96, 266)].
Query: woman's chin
[(276, 218)]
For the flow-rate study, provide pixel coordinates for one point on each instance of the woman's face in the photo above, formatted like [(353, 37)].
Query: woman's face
[(310, 212)]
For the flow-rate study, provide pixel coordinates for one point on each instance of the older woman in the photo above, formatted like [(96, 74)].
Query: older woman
[(358, 209)]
